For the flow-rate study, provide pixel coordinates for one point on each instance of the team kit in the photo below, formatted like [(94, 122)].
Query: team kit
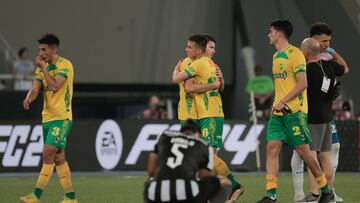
[(185, 165)]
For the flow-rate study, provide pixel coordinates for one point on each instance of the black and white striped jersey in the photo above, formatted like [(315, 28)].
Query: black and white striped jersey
[(181, 156)]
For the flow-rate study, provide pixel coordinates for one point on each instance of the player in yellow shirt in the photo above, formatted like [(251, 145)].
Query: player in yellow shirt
[(186, 105), (54, 76), (199, 77), (288, 123)]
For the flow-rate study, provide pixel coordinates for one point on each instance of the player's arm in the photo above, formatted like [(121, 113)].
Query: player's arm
[(153, 157), (191, 86), (220, 78), (338, 59), (206, 166), (54, 83), (32, 94), (151, 164), (178, 75), (301, 85)]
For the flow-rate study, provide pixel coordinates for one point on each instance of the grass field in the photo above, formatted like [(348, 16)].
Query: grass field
[(128, 189)]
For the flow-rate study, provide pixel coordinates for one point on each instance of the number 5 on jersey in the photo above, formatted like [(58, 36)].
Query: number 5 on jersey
[(179, 156)]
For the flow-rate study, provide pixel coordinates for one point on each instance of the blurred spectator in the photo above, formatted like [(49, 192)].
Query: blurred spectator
[(156, 109), (263, 88), (343, 110), (23, 70)]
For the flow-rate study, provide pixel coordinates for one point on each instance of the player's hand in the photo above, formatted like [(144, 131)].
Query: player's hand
[(40, 62), (216, 84), (278, 107), (330, 50), (219, 73), (26, 103)]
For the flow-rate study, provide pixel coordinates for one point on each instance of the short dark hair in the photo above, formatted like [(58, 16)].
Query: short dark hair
[(284, 26), (190, 127), (49, 39), (320, 28), (209, 38), (21, 51), (199, 40)]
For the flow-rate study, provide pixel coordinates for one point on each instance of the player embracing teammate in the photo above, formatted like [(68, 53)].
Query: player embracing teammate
[(200, 81)]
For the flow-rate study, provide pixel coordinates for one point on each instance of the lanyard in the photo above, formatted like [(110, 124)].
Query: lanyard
[(320, 64)]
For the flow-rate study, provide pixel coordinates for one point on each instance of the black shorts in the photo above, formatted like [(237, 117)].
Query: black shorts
[(181, 191)]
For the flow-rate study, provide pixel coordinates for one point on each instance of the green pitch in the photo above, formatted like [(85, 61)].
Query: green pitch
[(125, 189)]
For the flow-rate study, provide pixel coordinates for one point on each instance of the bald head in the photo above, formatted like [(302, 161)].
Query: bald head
[(310, 46)]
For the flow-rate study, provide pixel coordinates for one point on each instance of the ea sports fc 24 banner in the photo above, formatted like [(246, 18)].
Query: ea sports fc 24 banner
[(120, 145)]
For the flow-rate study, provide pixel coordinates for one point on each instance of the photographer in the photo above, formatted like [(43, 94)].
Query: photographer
[(156, 110)]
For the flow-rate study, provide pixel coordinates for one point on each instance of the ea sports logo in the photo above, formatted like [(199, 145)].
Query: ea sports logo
[(109, 144)]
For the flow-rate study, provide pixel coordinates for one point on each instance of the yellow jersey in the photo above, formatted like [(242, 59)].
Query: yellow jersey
[(208, 104), (286, 65), (57, 105), (186, 105)]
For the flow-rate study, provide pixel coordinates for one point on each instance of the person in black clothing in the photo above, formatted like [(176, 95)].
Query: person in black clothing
[(323, 33), (321, 75), (173, 165)]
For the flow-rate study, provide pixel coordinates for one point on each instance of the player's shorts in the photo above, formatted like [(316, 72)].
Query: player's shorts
[(321, 137), (181, 191), (334, 133), (211, 130), (56, 132), (291, 129)]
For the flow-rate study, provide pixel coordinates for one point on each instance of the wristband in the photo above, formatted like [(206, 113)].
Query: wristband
[(330, 50)]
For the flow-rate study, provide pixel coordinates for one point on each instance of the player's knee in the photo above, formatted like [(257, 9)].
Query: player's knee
[(272, 149), (59, 159), (49, 156), (303, 154), (324, 157)]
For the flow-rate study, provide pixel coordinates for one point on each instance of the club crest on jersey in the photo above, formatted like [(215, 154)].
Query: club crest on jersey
[(281, 67), (280, 75)]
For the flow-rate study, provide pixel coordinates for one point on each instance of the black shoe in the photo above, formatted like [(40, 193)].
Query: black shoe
[(236, 192), (326, 197), (267, 200)]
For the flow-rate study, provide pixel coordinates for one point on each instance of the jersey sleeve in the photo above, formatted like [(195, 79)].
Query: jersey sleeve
[(63, 70), (185, 63), (193, 68), (298, 62), (37, 76), (207, 162)]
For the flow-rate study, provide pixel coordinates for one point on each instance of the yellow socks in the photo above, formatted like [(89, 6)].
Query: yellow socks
[(321, 180), (220, 167), (271, 182), (271, 186), (64, 174), (43, 179)]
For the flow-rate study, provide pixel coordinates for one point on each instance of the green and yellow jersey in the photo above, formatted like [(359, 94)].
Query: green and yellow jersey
[(208, 104), (186, 105), (57, 105), (285, 67)]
